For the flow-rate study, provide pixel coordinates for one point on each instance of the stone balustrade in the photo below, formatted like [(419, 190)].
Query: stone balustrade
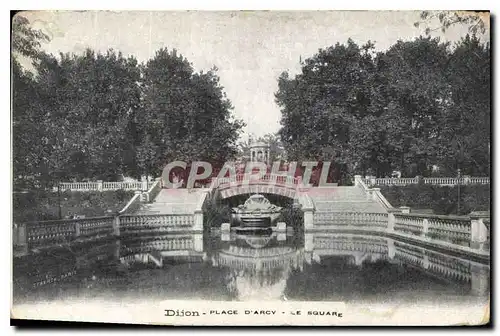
[(133, 205), (449, 228), (105, 186), (351, 243), (409, 224), (371, 220), (153, 191), (372, 193), (276, 179), (167, 244), (42, 234), (157, 223), (442, 181), (436, 263), (468, 231)]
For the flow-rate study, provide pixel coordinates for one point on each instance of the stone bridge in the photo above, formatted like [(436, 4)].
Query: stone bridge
[(276, 184)]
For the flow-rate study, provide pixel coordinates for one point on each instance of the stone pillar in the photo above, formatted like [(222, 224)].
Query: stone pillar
[(20, 237), (308, 219), (198, 242), (281, 227), (198, 220), (140, 195), (391, 249), (369, 194), (358, 259), (116, 226), (99, 185), (425, 228), (478, 232), (144, 185), (77, 229), (309, 242), (480, 279), (391, 220), (357, 180), (117, 249), (405, 209), (425, 263)]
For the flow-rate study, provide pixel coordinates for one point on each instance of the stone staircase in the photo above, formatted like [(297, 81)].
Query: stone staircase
[(344, 199), (172, 201)]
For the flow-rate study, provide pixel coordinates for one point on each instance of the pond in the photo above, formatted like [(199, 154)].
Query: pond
[(292, 266)]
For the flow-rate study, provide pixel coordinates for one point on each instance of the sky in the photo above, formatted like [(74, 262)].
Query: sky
[(250, 49)]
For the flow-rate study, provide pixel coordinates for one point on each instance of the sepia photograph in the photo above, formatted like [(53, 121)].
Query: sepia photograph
[(251, 168)]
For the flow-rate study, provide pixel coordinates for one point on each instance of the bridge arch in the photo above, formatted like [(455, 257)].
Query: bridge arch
[(270, 184), (281, 185)]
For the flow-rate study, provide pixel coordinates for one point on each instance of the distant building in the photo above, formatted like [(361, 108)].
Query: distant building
[(259, 152)]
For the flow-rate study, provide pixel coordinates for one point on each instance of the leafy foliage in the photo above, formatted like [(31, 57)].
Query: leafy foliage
[(26, 40), (103, 115), (476, 22), (186, 115), (372, 113), (42, 205), (442, 200)]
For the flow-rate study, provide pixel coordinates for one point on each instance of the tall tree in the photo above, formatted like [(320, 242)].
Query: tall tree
[(418, 104), (416, 95), (320, 104), (26, 43), (83, 108), (465, 137), (186, 115)]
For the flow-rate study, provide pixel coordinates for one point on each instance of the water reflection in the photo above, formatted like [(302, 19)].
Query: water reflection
[(259, 265), (284, 266)]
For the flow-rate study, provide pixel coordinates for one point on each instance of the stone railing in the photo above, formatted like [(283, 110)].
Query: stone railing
[(157, 223), (133, 205), (273, 179), (104, 186), (372, 193), (443, 181), (168, 244), (44, 234), (351, 219), (468, 231), (153, 191), (351, 243)]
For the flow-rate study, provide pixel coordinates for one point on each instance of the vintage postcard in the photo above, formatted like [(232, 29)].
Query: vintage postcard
[(249, 168)]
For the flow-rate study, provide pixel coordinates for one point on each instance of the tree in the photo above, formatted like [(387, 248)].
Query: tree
[(319, 105), (81, 107), (26, 122), (416, 95), (418, 104), (186, 115), (465, 138)]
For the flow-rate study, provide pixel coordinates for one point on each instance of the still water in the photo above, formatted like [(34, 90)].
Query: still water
[(286, 266)]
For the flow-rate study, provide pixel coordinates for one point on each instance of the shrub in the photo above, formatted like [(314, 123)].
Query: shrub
[(44, 205), (441, 199)]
